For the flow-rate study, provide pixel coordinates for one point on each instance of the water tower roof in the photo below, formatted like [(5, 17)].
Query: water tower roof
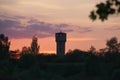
[(60, 33)]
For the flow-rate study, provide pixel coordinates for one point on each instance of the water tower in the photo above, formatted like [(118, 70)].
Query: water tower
[(60, 43)]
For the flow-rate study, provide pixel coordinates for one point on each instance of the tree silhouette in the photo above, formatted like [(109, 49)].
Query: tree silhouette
[(113, 45), (75, 65), (92, 49), (34, 45), (26, 50), (4, 46), (105, 9)]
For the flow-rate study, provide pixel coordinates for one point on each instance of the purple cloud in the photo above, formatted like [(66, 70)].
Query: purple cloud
[(14, 28), (7, 16), (85, 29), (62, 25), (116, 28), (9, 23)]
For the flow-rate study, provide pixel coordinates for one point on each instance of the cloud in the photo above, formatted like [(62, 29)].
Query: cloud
[(15, 29), (8, 24), (62, 25), (81, 39), (8, 2), (7, 16), (85, 29), (115, 28)]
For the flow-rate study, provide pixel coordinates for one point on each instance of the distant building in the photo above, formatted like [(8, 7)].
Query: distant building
[(60, 43)]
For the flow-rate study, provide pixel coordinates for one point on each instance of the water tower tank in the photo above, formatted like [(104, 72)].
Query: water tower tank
[(60, 43)]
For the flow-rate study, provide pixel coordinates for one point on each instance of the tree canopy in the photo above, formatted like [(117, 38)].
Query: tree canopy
[(105, 9)]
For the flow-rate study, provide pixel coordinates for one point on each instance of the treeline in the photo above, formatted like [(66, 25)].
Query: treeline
[(74, 65)]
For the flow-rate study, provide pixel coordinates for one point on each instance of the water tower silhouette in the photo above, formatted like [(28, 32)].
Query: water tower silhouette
[(60, 38)]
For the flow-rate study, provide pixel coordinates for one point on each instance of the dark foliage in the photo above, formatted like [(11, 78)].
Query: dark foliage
[(4, 46), (105, 9), (74, 65)]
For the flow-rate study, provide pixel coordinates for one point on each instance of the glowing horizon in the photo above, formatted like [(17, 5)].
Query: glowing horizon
[(42, 42)]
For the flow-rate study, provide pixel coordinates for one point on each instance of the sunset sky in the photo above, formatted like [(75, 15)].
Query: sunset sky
[(22, 19)]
